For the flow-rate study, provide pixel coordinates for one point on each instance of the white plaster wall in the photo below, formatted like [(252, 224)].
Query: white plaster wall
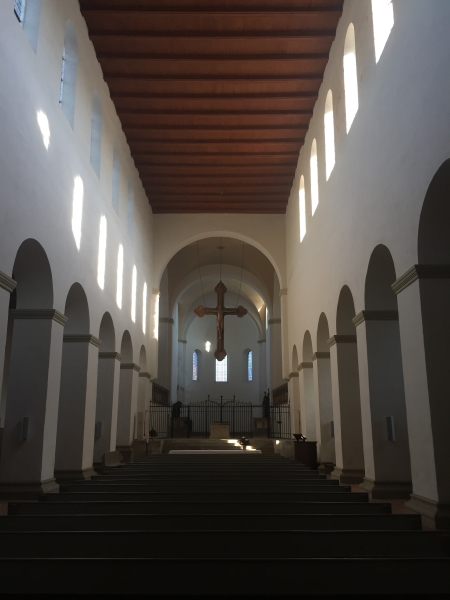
[(398, 140), (37, 184)]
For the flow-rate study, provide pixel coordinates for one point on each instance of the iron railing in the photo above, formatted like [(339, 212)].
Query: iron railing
[(280, 395), (245, 419), (160, 395)]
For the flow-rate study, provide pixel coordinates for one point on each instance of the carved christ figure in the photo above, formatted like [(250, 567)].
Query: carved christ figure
[(220, 311)]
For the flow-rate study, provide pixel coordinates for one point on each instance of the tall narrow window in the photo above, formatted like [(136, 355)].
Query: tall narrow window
[(19, 10), (115, 197), (96, 134), (119, 277), (250, 366), (314, 170), (195, 366), (144, 309), (69, 73), (329, 135), (130, 210), (222, 369), (302, 208), (77, 210), (102, 253), (350, 77), (133, 294), (383, 22)]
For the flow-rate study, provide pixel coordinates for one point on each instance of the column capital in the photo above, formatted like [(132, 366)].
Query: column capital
[(293, 374), (114, 355), (274, 321), (283, 292), (375, 315), (304, 365), (182, 341), (82, 337), (7, 283), (420, 272), (145, 374), (341, 339), (39, 313), (319, 355), (261, 341), (131, 365), (166, 320), (155, 291)]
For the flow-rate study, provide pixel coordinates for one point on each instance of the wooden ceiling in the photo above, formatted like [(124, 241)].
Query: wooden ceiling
[(214, 96)]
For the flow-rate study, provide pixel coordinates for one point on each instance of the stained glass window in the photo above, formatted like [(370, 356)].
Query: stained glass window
[(250, 366), (222, 369), (195, 366)]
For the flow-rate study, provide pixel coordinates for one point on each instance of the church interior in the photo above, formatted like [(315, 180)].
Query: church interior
[(224, 298)]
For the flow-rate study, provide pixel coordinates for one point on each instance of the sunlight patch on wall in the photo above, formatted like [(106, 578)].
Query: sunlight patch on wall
[(350, 78), (133, 294), (302, 208), (144, 309), (329, 135), (383, 22), (156, 317), (314, 178), (77, 210), (44, 126), (208, 346), (119, 277), (102, 253)]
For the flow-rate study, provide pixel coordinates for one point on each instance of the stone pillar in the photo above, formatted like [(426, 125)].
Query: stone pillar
[(323, 402), (29, 437), (126, 418), (346, 409), (183, 366), (263, 385), (107, 403), (276, 373), (165, 352), (307, 416), (144, 390), (77, 406), (7, 286), (387, 462), (284, 332), (424, 317)]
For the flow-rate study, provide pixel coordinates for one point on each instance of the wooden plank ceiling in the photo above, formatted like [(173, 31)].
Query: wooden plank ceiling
[(214, 96)]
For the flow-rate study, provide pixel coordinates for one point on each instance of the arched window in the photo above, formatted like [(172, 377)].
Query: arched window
[(119, 277), (383, 22), (222, 369), (133, 294), (350, 77), (28, 14), (195, 365), (144, 309), (69, 73), (314, 178), (102, 253), (130, 210), (302, 207), (329, 134), (115, 197), (96, 134), (249, 365)]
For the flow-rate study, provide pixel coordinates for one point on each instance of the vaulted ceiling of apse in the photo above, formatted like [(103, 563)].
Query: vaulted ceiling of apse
[(215, 97)]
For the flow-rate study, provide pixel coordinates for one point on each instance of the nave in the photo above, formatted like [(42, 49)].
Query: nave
[(217, 525)]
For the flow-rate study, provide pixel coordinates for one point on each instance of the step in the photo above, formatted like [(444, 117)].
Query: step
[(202, 487), (226, 478), (212, 577), (323, 495), (184, 507), (223, 544), (248, 522)]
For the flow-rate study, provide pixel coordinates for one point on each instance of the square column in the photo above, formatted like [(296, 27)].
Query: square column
[(7, 286), (29, 438), (144, 393), (386, 452), (127, 413), (77, 407), (307, 414), (424, 317), (323, 403), (107, 404), (346, 409)]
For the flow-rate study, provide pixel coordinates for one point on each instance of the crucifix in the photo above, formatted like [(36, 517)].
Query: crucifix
[(220, 311)]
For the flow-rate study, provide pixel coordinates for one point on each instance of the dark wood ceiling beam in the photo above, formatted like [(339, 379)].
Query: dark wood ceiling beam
[(210, 58), (216, 140), (316, 77), (101, 8), (125, 112), (287, 35), (177, 172), (222, 209), (237, 96)]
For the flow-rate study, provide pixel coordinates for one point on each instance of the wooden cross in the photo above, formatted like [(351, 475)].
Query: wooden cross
[(220, 311)]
